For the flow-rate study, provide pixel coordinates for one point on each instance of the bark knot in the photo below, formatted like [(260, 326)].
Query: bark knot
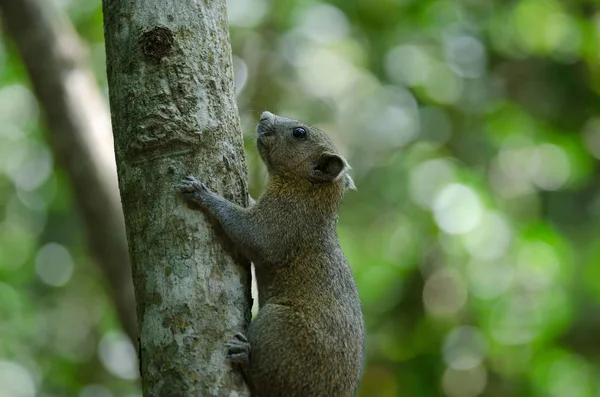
[(157, 43)]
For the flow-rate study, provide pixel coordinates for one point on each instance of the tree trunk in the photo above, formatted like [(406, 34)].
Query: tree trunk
[(79, 135), (174, 114)]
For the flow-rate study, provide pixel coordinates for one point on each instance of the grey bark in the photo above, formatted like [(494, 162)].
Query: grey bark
[(174, 113), (79, 134)]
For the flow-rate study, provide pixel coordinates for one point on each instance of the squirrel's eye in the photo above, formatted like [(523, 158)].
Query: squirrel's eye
[(299, 133)]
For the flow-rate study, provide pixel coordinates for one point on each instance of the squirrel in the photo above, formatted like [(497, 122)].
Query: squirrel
[(308, 336)]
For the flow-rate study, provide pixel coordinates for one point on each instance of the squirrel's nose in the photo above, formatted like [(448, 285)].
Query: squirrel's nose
[(266, 116)]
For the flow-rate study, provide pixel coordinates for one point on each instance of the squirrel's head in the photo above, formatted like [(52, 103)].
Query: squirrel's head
[(292, 148)]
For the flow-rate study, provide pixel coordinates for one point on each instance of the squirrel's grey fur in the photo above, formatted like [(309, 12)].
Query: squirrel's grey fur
[(308, 336)]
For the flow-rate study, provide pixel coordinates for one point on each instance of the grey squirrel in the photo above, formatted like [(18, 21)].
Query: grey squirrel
[(308, 336)]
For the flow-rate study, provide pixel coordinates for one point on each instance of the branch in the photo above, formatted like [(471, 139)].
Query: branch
[(79, 135)]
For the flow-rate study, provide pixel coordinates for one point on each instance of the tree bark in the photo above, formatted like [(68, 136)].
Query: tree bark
[(79, 135), (174, 113)]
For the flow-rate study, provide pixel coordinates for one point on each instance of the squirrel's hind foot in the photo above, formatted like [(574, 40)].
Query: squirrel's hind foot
[(238, 349)]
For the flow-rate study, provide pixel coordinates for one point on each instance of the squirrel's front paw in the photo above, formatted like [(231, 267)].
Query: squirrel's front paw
[(238, 349), (193, 190)]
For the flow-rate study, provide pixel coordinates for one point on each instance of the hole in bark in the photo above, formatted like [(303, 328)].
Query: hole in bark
[(157, 43)]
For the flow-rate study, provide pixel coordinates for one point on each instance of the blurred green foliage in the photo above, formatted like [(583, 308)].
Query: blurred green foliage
[(473, 133)]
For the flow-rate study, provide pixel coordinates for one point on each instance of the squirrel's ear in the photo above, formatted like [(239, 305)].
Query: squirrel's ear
[(328, 168), (349, 182)]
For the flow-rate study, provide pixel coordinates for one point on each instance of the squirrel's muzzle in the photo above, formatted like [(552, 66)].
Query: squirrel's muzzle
[(266, 125), (266, 116)]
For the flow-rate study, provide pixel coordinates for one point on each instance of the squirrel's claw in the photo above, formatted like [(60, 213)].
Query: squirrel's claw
[(241, 337), (191, 185), (238, 349)]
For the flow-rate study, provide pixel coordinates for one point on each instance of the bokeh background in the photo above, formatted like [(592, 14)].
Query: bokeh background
[(474, 138)]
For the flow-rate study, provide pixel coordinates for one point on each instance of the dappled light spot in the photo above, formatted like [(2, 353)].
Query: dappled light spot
[(591, 136), (518, 159), (537, 264), (464, 383), (246, 13), (24, 218), (442, 85), (326, 73), (16, 380), (516, 319), (489, 279), (428, 178), (457, 209), (571, 376), (16, 245), (66, 330), (543, 28), (395, 126), (54, 265), (118, 355), (34, 200), (522, 165), (293, 45), (444, 294), (464, 348), (465, 55), (490, 239), (408, 64), (323, 23), (240, 73), (18, 107), (391, 118), (444, 15), (565, 36), (13, 151), (553, 170), (507, 184), (34, 169)]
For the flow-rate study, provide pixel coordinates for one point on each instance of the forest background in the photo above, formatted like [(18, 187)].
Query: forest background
[(473, 131)]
